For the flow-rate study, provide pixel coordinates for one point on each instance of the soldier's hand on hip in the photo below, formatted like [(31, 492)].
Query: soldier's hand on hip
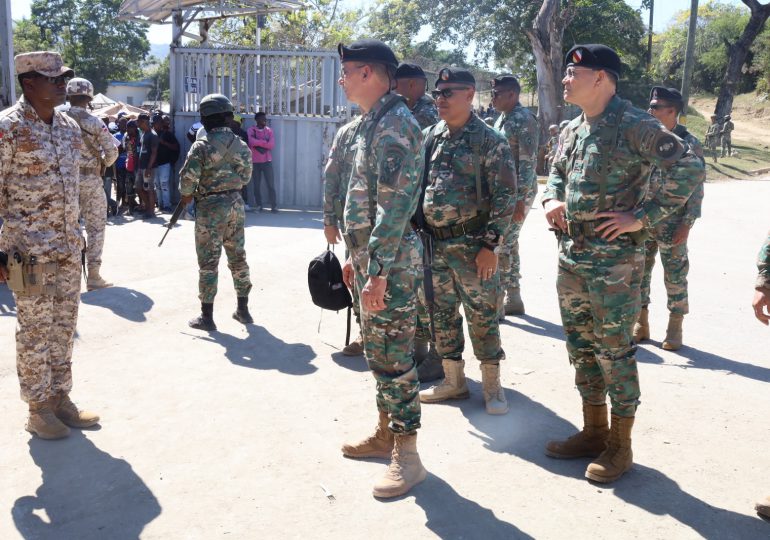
[(519, 212), (680, 234), (617, 223), (761, 305), (332, 234), (347, 273), (373, 294), (555, 214), (486, 263)]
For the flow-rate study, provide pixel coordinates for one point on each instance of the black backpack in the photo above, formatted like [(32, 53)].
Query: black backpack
[(324, 279)]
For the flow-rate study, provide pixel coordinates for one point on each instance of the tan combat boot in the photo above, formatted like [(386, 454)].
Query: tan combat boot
[(405, 470), (67, 412), (673, 341), (514, 305), (43, 423), (95, 281), (763, 508), (494, 397), (379, 445), (452, 387), (354, 348), (618, 457), (642, 326), (590, 442)]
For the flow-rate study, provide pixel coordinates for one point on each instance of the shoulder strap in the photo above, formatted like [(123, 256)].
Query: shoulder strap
[(476, 140), (614, 129), (223, 149)]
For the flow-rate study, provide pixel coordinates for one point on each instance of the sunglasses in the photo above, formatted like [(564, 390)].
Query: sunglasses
[(496, 93), (61, 79), (446, 93)]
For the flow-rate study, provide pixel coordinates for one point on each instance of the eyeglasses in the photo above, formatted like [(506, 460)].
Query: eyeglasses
[(446, 93), (61, 79), (570, 72), (344, 72)]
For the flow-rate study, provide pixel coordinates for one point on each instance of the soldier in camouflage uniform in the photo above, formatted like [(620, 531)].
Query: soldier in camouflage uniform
[(40, 160), (596, 200), (468, 207), (385, 256), (553, 144), (670, 234), (726, 136), (712, 136), (100, 152), (217, 167), (761, 305), (519, 126)]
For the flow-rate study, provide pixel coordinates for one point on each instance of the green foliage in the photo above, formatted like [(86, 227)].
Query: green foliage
[(159, 72), (761, 64)]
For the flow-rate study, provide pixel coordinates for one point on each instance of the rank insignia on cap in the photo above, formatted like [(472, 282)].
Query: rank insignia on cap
[(444, 75), (577, 56)]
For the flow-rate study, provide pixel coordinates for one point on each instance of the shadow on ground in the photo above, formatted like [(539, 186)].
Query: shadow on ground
[(86, 494), (539, 327), (127, 303), (7, 304), (353, 363), (293, 219)]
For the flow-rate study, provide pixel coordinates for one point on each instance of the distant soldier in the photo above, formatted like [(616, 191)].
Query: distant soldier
[(670, 234), (468, 208), (218, 165), (100, 152), (551, 146), (726, 134), (712, 136), (595, 198), (40, 160), (761, 305), (519, 126)]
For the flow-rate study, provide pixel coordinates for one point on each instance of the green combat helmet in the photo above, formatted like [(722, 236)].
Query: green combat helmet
[(215, 104)]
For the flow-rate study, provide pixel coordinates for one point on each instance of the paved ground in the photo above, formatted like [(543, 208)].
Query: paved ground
[(232, 435)]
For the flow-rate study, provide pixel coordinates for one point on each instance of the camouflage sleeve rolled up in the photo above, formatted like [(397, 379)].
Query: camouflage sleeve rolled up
[(763, 264), (337, 172), (100, 146), (501, 178)]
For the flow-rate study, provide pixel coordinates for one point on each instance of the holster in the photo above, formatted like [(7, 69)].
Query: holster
[(27, 277)]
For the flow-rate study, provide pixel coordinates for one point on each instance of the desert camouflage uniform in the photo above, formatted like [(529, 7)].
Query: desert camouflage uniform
[(598, 281), (450, 199), (39, 175), (676, 264), (726, 134), (220, 217), (425, 112), (712, 139), (98, 149), (388, 159), (520, 129), (763, 264)]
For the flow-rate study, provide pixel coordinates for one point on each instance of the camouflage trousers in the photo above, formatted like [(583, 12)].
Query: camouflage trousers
[(676, 265), (93, 210), (389, 335), (727, 145), (219, 222), (455, 283), (45, 330), (509, 262), (598, 287)]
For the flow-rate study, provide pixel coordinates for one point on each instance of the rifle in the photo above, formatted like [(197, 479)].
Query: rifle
[(174, 218)]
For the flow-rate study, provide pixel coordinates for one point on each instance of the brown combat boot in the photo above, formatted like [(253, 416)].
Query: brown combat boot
[(514, 305), (354, 348), (43, 423), (642, 326), (405, 470), (763, 508), (673, 341), (590, 442), (95, 280), (452, 387), (379, 445), (68, 412), (494, 397), (618, 457)]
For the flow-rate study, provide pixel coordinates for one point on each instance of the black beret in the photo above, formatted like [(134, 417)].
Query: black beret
[(669, 94), (504, 81), (410, 71), (594, 56), (367, 50), (456, 75)]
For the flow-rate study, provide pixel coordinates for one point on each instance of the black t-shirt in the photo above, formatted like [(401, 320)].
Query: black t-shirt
[(166, 154), (149, 141)]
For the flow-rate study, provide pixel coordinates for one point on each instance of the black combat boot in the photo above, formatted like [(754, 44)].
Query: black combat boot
[(242, 314), (206, 319)]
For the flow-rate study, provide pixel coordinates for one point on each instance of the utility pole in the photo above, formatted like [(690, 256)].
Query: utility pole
[(689, 60), (7, 82), (649, 37)]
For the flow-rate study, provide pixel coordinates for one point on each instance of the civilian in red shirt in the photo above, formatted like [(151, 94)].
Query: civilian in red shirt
[(261, 142)]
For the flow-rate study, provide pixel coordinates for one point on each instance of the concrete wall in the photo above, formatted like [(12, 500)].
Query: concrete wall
[(120, 92)]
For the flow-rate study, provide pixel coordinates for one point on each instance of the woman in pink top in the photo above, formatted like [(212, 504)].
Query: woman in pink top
[(261, 142)]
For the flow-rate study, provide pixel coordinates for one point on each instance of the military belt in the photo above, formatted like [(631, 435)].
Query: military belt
[(586, 229), (90, 170), (225, 192), (357, 238), (460, 229)]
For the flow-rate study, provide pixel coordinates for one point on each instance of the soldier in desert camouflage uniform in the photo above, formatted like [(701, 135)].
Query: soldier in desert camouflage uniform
[(99, 152), (726, 136), (519, 126), (216, 168), (40, 159), (670, 234), (712, 136), (472, 182), (596, 199), (385, 256)]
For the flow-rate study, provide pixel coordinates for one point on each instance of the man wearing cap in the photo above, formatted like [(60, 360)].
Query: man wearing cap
[(40, 160), (670, 234), (553, 144), (214, 172), (468, 207), (100, 152), (148, 156), (727, 137), (712, 136), (596, 200), (519, 126), (385, 256)]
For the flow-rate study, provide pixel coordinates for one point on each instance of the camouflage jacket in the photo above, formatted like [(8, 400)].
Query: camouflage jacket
[(388, 161), (99, 145), (615, 155), (520, 128), (206, 170), (450, 197), (425, 112), (763, 264), (39, 183), (553, 144), (692, 208), (712, 131), (337, 171), (727, 128)]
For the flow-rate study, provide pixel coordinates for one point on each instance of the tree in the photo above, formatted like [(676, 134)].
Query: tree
[(159, 73), (91, 39)]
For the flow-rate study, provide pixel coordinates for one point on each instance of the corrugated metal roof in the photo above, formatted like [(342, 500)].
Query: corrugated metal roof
[(159, 11)]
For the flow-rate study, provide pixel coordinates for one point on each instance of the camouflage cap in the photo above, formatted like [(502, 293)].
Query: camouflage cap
[(553, 126), (215, 104), (80, 87), (46, 63)]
